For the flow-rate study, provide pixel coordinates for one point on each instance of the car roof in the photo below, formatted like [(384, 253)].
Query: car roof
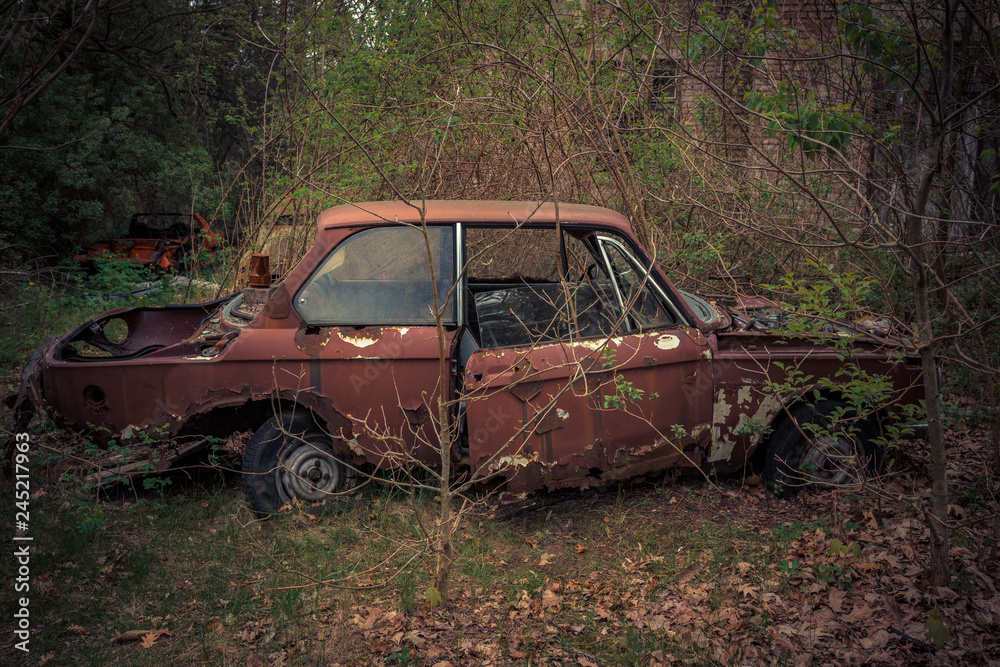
[(469, 211)]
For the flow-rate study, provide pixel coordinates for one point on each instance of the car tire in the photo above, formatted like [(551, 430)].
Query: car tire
[(823, 459), (289, 461)]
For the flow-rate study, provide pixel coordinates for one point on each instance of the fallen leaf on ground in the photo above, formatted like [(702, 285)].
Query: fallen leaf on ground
[(836, 598), (878, 639), (138, 635), (688, 574), (549, 599)]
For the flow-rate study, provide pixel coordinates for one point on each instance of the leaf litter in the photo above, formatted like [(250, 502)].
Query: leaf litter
[(652, 576)]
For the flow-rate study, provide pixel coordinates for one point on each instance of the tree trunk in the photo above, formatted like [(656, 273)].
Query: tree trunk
[(937, 514)]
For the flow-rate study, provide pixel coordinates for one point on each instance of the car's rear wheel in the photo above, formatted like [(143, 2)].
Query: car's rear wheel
[(291, 461), (825, 449)]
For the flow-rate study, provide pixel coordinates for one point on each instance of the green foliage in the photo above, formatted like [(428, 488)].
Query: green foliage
[(838, 548), (828, 295), (113, 277), (822, 307), (90, 517), (432, 597), (832, 573), (625, 391), (795, 530), (71, 298), (794, 114), (156, 484), (790, 567), (964, 583), (752, 427), (753, 38), (96, 147), (703, 253), (884, 44), (794, 380)]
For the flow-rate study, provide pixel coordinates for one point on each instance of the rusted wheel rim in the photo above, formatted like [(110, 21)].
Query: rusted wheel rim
[(308, 471), (831, 461)]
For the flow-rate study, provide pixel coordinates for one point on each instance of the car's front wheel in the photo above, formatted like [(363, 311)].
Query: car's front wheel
[(290, 460), (820, 447)]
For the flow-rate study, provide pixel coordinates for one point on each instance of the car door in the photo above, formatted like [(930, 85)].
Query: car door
[(370, 336), (611, 394)]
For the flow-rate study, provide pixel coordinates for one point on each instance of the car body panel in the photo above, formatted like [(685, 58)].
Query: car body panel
[(546, 410)]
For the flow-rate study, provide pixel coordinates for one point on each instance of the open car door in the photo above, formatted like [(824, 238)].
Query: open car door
[(584, 375)]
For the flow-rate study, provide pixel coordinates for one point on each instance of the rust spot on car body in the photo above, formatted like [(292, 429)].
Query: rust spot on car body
[(162, 241), (312, 340), (416, 416), (526, 390), (549, 422)]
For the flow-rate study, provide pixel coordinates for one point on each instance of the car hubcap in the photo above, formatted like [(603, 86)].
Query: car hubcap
[(308, 471), (831, 461)]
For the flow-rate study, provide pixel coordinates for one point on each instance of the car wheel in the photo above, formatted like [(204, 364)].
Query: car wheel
[(291, 460), (829, 457)]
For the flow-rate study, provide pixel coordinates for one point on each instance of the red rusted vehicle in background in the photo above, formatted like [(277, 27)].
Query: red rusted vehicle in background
[(571, 359), (164, 241)]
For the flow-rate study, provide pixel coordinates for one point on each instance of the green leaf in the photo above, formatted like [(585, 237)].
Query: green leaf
[(937, 631), (433, 597)]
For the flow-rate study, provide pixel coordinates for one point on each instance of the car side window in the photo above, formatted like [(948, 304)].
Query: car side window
[(635, 286), (381, 276), (519, 295)]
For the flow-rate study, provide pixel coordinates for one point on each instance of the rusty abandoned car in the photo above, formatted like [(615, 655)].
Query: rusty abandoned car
[(571, 361), (162, 241)]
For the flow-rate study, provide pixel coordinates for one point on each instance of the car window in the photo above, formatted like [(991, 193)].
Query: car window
[(521, 255), (701, 308), (635, 286), (518, 297), (381, 276)]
